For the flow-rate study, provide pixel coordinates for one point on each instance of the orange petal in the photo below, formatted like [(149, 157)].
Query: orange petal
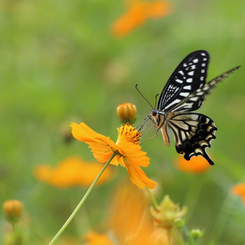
[(133, 153), (118, 160), (134, 17), (102, 146), (159, 9), (101, 152), (138, 177), (84, 133)]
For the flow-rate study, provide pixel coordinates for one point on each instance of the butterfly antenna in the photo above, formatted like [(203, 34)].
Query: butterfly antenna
[(136, 86)]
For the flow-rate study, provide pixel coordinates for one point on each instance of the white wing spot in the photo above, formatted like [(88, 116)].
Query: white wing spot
[(184, 64), (194, 99), (178, 81), (181, 72), (191, 73), (205, 88), (184, 94), (195, 60), (198, 150), (189, 80), (203, 54), (201, 78), (202, 71), (203, 64), (204, 59), (187, 87)]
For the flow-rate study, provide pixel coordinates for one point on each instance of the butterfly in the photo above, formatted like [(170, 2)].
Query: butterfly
[(183, 93)]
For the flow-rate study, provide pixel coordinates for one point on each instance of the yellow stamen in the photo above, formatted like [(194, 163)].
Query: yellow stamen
[(128, 133)]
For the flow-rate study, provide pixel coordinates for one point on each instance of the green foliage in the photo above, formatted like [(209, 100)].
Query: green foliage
[(59, 62)]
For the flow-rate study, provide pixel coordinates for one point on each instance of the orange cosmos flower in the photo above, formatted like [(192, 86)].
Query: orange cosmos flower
[(138, 12), (195, 165), (239, 190), (129, 152), (72, 171)]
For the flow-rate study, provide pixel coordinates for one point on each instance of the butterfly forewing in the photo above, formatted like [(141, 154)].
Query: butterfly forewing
[(187, 77), (193, 133), (195, 99)]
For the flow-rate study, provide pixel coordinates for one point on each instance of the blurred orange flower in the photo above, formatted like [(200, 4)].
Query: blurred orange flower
[(134, 224), (129, 152), (130, 222), (72, 171), (138, 12), (239, 190), (93, 238), (195, 165)]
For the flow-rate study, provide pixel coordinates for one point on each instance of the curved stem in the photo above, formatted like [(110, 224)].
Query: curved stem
[(83, 200), (152, 198)]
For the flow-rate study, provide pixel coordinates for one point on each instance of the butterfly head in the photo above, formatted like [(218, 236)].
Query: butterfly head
[(153, 113), (158, 117)]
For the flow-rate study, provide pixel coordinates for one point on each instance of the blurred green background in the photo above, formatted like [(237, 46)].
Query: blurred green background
[(59, 62)]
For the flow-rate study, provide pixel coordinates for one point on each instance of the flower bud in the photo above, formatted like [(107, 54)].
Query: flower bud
[(13, 210), (127, 112), (179, 223), (196, 233), (167, 212)]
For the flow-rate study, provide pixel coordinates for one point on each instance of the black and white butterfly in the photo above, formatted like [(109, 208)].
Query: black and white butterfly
[(185, 92)]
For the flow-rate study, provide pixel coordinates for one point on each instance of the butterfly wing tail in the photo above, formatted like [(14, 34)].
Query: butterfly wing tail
[(193, 133)]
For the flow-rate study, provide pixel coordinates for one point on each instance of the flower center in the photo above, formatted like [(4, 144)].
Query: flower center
[(128, 133)]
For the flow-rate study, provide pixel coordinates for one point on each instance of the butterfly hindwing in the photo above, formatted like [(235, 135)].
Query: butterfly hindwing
[(187, 77), (193, 133)]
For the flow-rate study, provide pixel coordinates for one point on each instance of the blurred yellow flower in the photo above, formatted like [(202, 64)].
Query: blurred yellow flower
[(138, 12), (195, 165), (129, 155), (167, 212), (93, 238), (239, 190), (73, 171)]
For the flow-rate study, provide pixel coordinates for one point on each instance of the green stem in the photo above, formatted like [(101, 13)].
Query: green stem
[(82, 201), (152, 198), (178, 237)]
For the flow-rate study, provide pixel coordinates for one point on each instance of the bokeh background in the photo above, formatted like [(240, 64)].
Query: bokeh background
[(62, 62)]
